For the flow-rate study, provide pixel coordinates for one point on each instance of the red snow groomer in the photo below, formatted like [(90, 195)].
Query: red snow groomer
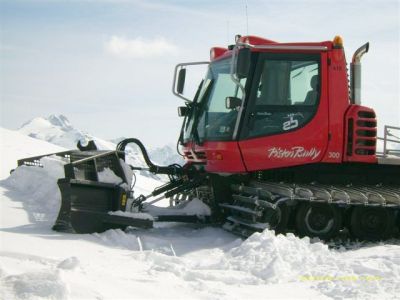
[(274, 138)]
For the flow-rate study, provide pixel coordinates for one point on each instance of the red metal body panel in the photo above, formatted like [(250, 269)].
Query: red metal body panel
[(216, 52), (338, 94), (255, 40)]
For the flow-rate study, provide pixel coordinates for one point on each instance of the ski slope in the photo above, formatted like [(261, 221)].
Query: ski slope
[(170, 261)]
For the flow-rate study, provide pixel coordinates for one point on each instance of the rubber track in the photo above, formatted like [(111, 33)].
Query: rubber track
[(259, 195)]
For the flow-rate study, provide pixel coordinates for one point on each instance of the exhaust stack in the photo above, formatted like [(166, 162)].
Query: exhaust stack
[(355, 74)]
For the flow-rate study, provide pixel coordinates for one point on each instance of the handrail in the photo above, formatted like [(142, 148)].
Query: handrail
[(386, 139), (180, 66), (93, 157)]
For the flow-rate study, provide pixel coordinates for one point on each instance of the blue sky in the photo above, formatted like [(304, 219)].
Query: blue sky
[(90, 60)]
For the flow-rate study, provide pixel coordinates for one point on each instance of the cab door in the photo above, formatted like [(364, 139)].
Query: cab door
[(286, 120)]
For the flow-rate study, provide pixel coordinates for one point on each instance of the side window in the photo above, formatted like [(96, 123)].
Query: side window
[(286, 98), (304, 84), (273, 88)]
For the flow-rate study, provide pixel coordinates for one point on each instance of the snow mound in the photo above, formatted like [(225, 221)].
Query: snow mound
[(267, 259), (279, 258), (275, 259), (34, 285), (38, 187), (69, 263), (118, 238)]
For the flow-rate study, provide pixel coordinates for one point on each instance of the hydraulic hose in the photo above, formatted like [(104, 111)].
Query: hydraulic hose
[(153, 168)]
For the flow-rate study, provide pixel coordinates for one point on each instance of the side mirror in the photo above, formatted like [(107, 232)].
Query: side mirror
[(243, 63), (183, 111), (181, 81), (232, 102)]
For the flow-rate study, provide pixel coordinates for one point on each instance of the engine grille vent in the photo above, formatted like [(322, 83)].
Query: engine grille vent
[(361, 136)]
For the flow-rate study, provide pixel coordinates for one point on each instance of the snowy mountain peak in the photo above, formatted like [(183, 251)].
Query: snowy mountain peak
[(56, 129), (60, 121)]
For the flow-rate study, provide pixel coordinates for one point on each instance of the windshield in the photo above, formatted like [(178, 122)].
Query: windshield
[(212, 120)]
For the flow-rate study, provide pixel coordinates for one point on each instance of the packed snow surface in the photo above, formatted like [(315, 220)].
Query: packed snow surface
[(171, 261)]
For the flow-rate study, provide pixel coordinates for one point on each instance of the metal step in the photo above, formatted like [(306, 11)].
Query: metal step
[(254, 226), (252, 191), (251, 200), (237, 230), (241, 209), (242, 227)]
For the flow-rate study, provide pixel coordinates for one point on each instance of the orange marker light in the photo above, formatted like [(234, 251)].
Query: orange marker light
[(338, 42)]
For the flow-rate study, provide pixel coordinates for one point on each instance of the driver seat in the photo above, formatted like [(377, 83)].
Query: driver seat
[(312, 95)]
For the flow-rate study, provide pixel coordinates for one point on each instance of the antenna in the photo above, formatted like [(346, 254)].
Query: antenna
[(247, 19)]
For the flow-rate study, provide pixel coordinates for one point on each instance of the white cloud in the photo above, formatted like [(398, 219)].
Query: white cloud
[(139, 47)]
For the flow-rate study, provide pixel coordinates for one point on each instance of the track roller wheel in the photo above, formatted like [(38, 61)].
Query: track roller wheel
[(372, 223), (277, 218), (318, 220)]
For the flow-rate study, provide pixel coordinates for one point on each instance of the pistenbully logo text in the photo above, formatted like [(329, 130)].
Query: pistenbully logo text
[(294, 152)]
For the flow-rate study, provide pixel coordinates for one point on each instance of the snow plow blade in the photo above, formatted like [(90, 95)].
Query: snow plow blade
[(88, 202), (97, 191), (86, 207)]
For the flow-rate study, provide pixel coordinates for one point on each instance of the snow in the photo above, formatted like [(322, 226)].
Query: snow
[(108, 176), (38, 188), (165, 155), (15, 146), (127, 172), (170, 261), (194, 207)]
